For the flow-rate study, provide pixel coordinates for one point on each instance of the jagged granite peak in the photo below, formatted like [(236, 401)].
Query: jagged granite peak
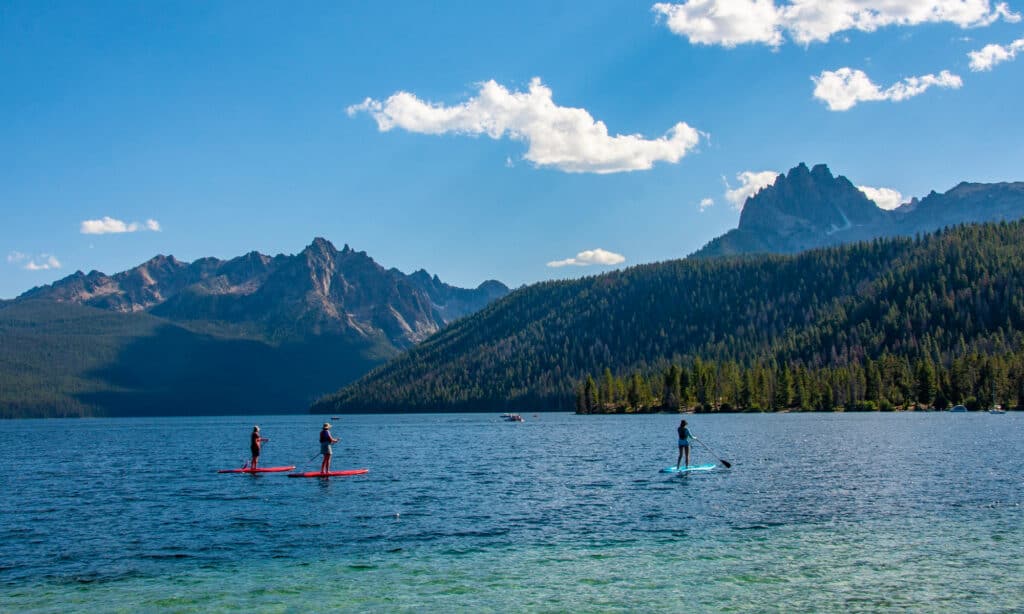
[(809, 207), (321, 246), (318, 291), (808, 200)]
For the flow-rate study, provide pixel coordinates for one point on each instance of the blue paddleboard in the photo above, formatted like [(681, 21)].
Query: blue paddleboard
[(673, 469)]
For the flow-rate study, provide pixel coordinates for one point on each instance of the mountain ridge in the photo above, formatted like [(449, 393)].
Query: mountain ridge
[(251, 334), (319, 290), (810, 208)]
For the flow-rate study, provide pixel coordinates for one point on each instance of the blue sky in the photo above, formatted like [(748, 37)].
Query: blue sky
[(213, 129)]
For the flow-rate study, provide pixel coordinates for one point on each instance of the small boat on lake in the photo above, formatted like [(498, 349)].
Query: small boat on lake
[(512, 418)]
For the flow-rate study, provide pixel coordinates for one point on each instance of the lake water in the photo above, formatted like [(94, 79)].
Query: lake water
[(831, 512)]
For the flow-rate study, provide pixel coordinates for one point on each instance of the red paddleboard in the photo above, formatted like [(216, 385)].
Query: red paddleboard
[(259, 470), (317, 474)]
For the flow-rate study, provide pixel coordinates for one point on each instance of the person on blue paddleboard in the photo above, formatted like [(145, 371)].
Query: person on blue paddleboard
[(326, 439), (255, 445), (684, 444)]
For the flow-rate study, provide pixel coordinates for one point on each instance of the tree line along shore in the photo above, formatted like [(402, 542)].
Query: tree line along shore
[(891, 383)]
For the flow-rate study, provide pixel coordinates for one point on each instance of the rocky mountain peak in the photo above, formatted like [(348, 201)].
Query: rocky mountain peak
[(810, 207), (808, 200), (321, 248), (318, 291)]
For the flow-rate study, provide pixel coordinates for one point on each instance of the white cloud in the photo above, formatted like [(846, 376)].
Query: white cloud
[(43, 262), (109, 225), (589, 257), (723, 22), (842, 89), (736, 22), (103, 226), (565, 138), (705, 203), (885, 198), (751, 183), (990, 55)]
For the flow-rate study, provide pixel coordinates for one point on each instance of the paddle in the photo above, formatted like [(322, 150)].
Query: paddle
[(724, 462)]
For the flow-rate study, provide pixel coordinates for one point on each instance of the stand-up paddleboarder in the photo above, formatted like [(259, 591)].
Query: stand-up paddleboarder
[(326, 439)]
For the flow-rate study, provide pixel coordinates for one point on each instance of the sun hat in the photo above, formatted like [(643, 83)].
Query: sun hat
[(327, 425)]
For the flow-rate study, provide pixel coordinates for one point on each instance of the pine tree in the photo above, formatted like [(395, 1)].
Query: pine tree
[(926, 382), (872, 382), (633, 393), (590, 395), (783, 389), (671, 394)]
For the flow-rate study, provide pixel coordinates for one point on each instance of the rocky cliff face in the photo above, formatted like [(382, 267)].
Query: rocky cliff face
[(811, 201), (321, 290), (808, 208)]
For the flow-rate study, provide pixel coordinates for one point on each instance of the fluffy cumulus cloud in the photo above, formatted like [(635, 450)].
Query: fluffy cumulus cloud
[(590, 257), (109, 225), (736, 22), (842, 89), (565, 138), (990, 55), (751, 183), (705, 203), (885, 198), (723, 22), (43, 262)]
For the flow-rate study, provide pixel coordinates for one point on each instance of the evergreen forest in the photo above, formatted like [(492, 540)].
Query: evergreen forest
[(66, 360), (889, 323)]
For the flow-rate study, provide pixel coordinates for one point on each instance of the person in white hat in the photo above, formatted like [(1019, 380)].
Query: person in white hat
[(326, 439)]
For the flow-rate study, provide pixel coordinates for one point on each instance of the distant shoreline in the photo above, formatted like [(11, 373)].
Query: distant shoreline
[(342, 415)]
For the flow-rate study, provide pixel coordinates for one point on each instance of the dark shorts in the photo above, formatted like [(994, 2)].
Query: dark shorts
[(255, 451), (325, 449)]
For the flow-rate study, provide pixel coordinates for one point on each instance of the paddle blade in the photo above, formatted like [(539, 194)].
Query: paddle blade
[(725, 463)]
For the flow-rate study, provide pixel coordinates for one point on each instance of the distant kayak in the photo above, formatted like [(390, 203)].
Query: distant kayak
[(673, 469), (332, 474), (258, 470)]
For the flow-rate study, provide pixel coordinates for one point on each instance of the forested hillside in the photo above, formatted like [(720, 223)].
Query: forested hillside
[(62, 359), (932, 299), (254, 334)]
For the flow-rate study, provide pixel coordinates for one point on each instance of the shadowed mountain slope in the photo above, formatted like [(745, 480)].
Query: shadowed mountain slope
[(254, 334)]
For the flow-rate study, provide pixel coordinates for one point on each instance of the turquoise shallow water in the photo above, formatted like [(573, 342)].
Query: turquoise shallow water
[(561, 513)]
